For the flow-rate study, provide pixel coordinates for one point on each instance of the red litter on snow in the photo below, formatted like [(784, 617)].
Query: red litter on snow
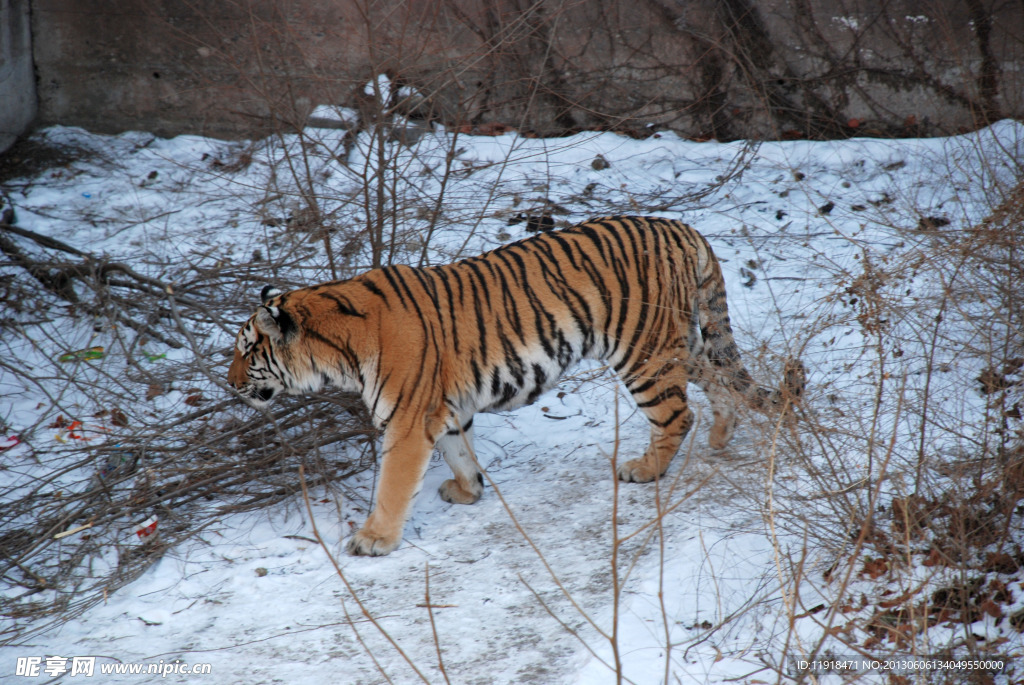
[(73, 430), (146, 528), (9, 442)]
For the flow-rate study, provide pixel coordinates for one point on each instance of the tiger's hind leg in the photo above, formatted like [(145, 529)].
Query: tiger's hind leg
[(722, 407), (468, 484), (660, 392), (724, 415)]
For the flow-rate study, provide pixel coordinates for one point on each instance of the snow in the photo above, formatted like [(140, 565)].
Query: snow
[(335, 114), (379, 86), (522, 585)]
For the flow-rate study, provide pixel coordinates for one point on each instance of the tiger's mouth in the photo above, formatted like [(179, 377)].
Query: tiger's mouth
[(257, 396)]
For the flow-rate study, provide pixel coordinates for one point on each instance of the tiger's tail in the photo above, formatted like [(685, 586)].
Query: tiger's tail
[(717, 346)]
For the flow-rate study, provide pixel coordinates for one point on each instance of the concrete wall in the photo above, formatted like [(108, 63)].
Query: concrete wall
[(707, 68), (17, 80)]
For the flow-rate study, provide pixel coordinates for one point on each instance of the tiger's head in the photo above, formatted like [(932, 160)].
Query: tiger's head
[(263, 363)]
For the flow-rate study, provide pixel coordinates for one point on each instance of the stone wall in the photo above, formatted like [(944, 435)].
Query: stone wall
[(706, 68), (17, 80)]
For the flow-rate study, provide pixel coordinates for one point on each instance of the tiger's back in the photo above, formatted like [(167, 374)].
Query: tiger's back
[(428, 348)]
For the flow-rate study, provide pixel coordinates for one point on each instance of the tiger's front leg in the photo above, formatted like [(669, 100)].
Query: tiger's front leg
[(402, 467), (456, 447)]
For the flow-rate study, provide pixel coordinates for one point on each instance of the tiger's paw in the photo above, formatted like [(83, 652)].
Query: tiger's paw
[(721, 433), (636, 471), (454, 493), (364, 544)]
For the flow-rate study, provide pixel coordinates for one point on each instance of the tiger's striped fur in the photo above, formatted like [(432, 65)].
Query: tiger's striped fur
[(428, 348)]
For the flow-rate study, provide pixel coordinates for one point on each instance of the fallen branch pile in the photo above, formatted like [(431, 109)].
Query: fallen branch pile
[(131, 437)]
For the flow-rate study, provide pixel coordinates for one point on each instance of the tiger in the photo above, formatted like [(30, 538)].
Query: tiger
[(427, 348)]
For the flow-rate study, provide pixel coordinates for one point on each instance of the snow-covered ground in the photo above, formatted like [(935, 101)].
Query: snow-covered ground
[(523, 587)]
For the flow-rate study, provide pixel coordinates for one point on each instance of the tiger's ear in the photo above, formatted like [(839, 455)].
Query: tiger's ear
[(269, 292), (276, 324)]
